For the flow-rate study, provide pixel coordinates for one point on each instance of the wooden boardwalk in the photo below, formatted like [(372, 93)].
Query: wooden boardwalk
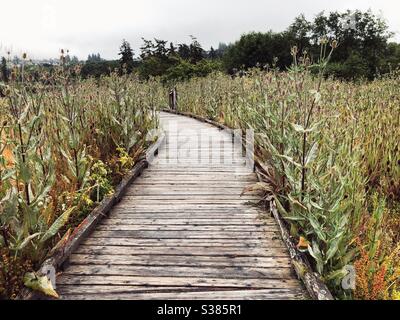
[(184, 232)]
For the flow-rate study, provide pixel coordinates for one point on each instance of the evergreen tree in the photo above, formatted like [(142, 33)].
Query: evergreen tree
[(74, 60), (222, 48), (172, 49), (95, 57), (126, 60), (146, 49), (184, 51), (212, 54), (160, 48), (196, 51)]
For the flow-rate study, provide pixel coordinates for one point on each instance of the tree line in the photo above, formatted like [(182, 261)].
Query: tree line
[(160, 58), (364, 51)]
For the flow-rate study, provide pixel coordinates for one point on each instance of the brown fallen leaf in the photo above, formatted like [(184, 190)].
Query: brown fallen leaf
[(303, 244)]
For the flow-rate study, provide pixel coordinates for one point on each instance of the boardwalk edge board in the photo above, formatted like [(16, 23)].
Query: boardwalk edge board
[(316, 288), (80, 233)]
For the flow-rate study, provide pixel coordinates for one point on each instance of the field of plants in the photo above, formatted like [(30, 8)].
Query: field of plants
[(64, 146), (330, 151), (332, 162)]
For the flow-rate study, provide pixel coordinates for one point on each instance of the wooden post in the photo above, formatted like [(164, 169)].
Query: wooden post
[(173, 97), (171, 103)]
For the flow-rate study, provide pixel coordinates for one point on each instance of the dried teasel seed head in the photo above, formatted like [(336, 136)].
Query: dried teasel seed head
[(77, 69), (294, 51), (323, 40)]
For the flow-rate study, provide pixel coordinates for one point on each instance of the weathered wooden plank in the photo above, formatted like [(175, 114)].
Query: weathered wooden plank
[(203, 171), (157, 191), (181, 234), (193, 198), (97, 291), (234, 212), (144, 184), (201, 157), (194, 165), (210, 217), (187, 189), (252, 243), (192, 210), (206, 156), (167, 260), (193, 221), (206, 180), (200, 180), (197, 272), (183, 202), (167, 176), (191, 186), (270, 294), (201, 161), (188, 228), (179, 251), (204, 159), (181, 207), (178, 281)]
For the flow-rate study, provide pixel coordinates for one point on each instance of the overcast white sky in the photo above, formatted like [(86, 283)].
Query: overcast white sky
[(42, 27)]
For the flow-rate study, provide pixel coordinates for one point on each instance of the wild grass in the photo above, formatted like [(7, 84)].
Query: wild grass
[(332, 162), (64, 145)]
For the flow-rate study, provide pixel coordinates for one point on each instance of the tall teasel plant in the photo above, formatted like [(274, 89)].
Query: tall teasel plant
[(316, 200), (73, 121), (132, 112), (30, 175)]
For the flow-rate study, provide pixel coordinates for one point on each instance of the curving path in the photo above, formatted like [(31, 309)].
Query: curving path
[(183, 231)]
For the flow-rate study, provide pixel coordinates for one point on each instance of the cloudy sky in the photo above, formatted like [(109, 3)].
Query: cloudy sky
[(42, 27)]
